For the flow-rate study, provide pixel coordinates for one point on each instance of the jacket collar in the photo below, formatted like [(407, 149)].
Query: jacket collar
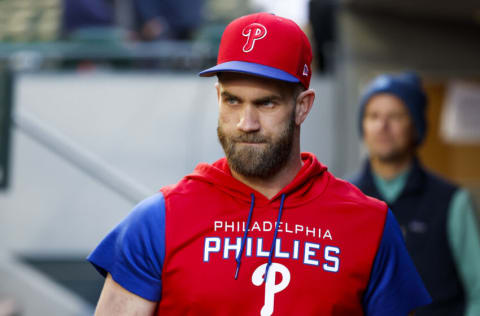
[(415, 179)]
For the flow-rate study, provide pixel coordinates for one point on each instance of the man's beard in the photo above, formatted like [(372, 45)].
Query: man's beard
[(258, 162), (391, 157), (396, 155)]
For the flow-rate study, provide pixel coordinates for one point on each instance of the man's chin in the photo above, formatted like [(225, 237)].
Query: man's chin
[(246, 167), (250, 146), (390, 157)]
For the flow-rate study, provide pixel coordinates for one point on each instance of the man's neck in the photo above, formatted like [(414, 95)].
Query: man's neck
[(271, 186), (391, 168)]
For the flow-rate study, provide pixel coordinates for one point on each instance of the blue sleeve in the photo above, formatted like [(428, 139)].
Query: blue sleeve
[(133, 252), (395, 288)]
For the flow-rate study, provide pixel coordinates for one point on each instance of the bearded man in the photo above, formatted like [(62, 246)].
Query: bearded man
[(266, 230)]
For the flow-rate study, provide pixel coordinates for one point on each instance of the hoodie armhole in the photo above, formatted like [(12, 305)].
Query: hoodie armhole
[(394, 288)]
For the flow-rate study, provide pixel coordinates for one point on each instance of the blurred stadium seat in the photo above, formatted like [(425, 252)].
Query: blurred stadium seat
[(29, 20)]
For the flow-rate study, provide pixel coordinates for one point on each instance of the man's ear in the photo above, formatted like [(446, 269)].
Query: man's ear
[(304, 105), (217, 87)]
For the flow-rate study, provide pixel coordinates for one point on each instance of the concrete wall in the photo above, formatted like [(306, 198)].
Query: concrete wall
[(151, 128)]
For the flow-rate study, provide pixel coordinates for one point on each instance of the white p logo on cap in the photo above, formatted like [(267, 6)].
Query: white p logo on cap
[(253, 32)]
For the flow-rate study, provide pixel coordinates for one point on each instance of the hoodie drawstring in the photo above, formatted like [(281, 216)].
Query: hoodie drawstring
[(272, 248), (244, 239)]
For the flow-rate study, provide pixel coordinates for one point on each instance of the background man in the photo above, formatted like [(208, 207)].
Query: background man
[(266, 230), (437, 217)]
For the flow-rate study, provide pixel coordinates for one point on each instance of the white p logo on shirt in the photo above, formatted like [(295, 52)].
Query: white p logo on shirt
[(270, 287)]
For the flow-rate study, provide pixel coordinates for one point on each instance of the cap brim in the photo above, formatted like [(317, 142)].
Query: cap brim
[(251, 69)]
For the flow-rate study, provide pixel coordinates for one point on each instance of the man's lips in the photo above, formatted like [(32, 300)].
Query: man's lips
[(383, 140), (251, 143)]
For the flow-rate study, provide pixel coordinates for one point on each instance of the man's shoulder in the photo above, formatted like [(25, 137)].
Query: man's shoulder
[(151, 202), (438, 181), (186, 186), (193, 188), (349, 194), (357, 178), (361, 176)]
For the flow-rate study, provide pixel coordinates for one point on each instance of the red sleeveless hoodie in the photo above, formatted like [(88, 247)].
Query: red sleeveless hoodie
[(327, 237)]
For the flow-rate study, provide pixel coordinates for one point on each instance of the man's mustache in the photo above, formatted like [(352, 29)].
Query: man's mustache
[(250, 138)]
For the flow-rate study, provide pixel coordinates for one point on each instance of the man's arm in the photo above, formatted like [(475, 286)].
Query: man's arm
[(464, 239), (115, 300), (131, 259)]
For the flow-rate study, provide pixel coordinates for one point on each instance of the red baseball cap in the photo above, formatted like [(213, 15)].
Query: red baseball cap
[(266, 45)]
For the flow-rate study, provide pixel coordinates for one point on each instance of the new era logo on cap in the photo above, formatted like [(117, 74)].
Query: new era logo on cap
[(265, 45), (253, 32)]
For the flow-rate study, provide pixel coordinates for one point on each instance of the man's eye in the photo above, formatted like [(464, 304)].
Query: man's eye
[(231, 100), (397, 117), (267, 103)]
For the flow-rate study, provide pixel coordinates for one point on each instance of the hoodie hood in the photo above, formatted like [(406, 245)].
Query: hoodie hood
[(301, 189)]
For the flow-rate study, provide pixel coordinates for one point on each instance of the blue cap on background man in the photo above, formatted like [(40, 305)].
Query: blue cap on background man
[(408, 88)]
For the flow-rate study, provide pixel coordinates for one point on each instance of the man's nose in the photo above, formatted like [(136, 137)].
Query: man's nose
[(382, 123), (249, 121)]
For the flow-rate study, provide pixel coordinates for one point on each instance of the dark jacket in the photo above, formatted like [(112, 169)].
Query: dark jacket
[(422, 211)]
